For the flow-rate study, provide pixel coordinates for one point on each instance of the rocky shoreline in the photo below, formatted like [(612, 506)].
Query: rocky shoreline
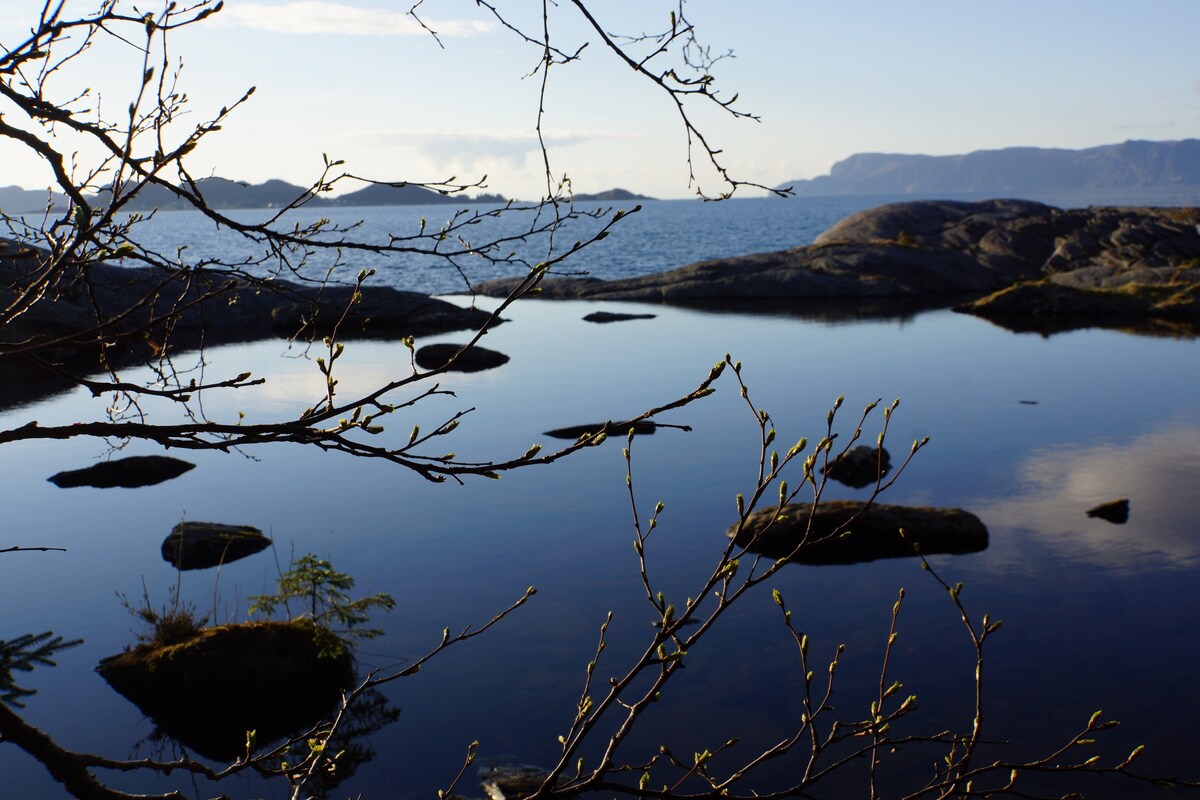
[(116, 314), (1007, 260), (1024, 265)]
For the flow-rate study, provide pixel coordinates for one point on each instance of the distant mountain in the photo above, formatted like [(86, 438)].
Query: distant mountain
[(1016, 171), (611, 195), (227, 194), (15, 200)]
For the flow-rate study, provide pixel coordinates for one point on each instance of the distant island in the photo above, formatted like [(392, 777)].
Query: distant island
[(612, 195), (1132, 167), (229, 194)]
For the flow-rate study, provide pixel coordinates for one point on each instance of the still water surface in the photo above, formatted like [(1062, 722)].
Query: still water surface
[(1095, 615)]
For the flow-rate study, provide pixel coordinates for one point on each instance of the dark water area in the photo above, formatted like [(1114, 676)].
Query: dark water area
[(1027, 432)]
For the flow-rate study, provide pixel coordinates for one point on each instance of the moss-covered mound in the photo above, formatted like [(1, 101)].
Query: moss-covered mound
[(274, 678)]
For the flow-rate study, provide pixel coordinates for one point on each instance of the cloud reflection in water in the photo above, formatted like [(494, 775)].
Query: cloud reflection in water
[(1160, 474)]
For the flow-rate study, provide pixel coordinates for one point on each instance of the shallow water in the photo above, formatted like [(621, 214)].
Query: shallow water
[(1095, 615)]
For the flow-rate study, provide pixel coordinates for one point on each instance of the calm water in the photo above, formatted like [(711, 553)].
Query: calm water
[(1096, 615)]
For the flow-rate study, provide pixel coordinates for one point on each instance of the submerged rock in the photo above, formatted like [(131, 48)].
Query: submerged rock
[(615, 316), (275, 678), (860, 466), (198, 545), (127, 473), (644, 428), (835, 536), (1114, 511), (436, 356)]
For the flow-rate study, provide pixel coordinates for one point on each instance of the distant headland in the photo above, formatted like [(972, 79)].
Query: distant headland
[(224, 193), (1135, 168)]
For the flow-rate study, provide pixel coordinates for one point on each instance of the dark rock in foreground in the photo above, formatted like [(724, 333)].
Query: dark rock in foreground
[(1114, 511), (613, 316), (1029, 260), (275, 678), (206, 306), (199, 545), (873, 535), (127, 473), (477, 359), (860, 466)]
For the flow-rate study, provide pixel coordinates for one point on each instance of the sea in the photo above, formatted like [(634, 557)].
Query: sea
[(1027, 431)]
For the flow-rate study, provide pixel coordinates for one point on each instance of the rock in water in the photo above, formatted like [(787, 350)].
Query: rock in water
[(436, 356), (860, 466), (127, 473), (275, 678), (614, 316), (643, 428), (1114, 511), (836, 536), (198, 545)]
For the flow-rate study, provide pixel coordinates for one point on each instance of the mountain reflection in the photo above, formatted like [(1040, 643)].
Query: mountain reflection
[(1158, 472)]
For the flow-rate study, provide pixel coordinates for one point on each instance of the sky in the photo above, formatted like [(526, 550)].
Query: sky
[(361, 81)]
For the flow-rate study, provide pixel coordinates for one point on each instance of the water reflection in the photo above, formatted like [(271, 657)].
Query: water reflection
[(1158, 472), (1166, 327)]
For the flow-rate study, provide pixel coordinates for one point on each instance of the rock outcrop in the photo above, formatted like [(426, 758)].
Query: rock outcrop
[(210, 307), (993, 258), (131, 314)]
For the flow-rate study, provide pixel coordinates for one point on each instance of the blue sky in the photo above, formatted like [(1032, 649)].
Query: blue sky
[(358, 80)]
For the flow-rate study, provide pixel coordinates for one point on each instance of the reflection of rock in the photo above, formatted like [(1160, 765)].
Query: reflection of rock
[(622, 428), (435, 356), (613, 316), (874, 534), (508, 783), (271, 677), (860, 466), (367, 715), (127, 473), (197, 545), (1114, 511)]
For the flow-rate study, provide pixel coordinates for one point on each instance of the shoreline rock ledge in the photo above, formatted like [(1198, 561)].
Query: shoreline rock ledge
[(938, 253)]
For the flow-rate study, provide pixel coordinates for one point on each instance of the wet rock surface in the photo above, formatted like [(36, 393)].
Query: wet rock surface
[(820, 536)]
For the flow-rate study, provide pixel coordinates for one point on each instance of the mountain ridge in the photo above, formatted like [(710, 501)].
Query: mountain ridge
[(1014, 171), (224, 193)]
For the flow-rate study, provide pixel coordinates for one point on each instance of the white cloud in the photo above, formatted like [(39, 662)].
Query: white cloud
[(467, 147), (317, 17)]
